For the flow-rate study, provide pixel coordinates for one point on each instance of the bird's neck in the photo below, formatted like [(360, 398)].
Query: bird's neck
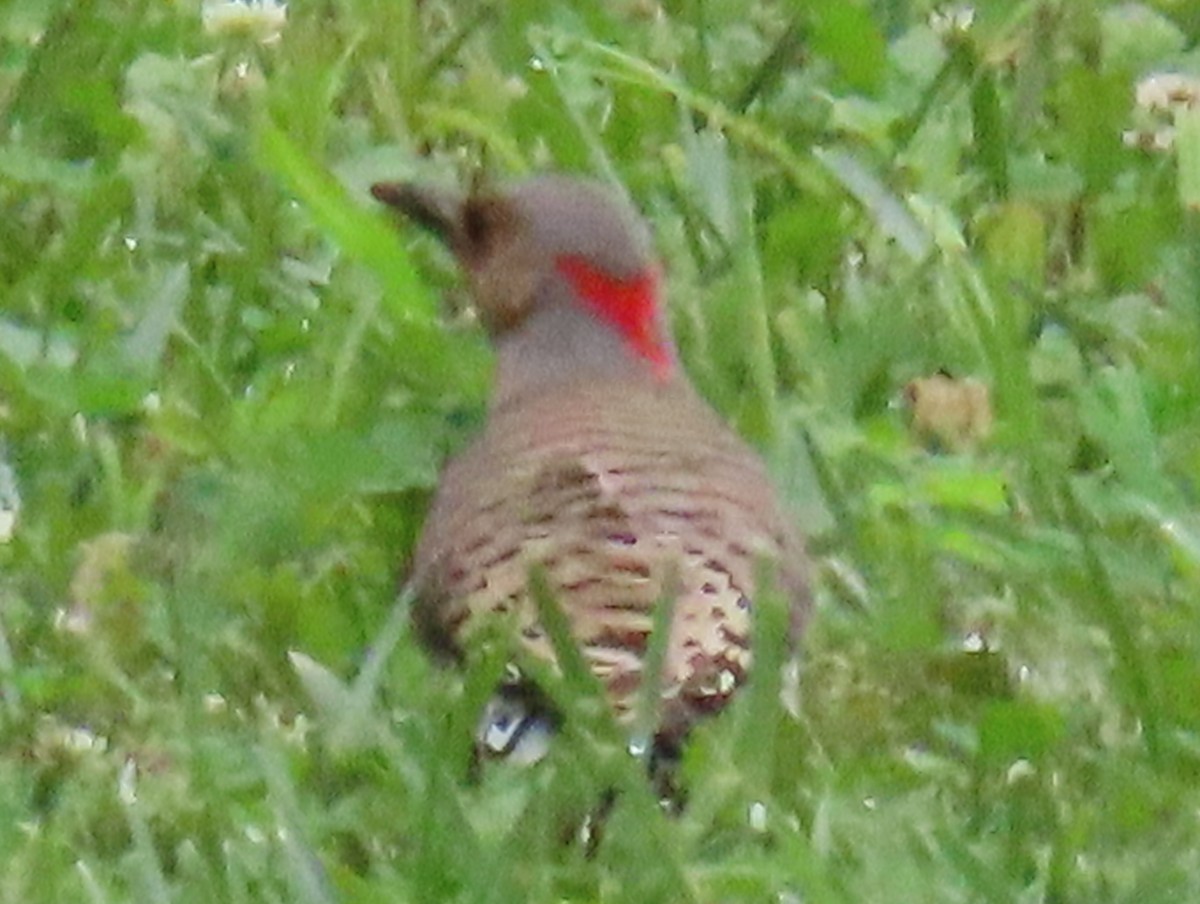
[(561, 341)]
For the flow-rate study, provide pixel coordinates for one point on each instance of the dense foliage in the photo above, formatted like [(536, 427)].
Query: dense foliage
[(942, 265)]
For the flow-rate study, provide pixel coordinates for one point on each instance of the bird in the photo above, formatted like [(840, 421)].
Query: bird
[(599, 466)]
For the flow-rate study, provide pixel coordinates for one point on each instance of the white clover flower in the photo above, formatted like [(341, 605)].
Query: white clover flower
[(262, 20), (952, 20), (1161, 98), (1167, 90)]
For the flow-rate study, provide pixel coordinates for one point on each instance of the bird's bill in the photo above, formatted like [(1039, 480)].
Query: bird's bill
[(437, 209)]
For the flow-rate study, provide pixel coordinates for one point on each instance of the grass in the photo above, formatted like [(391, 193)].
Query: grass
[(226, 384)]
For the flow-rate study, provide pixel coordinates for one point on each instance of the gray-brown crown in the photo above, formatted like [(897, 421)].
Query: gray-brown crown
[(508, 242)]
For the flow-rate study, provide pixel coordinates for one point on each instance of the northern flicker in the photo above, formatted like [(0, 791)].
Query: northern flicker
[(599, 464)]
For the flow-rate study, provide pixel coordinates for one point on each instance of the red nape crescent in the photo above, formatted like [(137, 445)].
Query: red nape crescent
[(631, 305)]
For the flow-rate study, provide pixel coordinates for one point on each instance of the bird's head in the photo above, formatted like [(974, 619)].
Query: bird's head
[(559, 267)]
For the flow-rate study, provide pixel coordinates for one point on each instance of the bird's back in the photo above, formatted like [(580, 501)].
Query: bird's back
[(620, 492)]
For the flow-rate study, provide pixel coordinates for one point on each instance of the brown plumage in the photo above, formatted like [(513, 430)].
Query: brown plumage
[(599, 464)]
